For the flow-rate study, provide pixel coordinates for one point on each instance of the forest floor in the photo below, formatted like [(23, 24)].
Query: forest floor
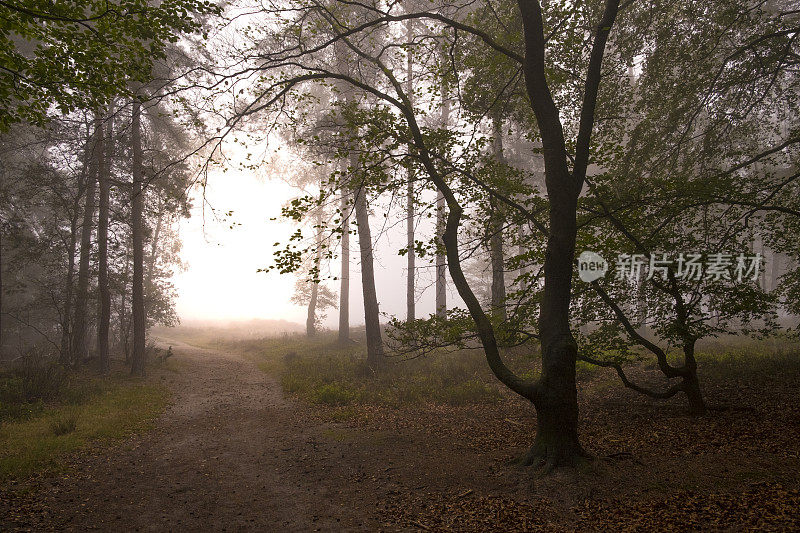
[(233, 452)]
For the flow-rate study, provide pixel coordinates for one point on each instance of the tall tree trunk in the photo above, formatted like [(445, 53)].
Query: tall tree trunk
[(137, 232), (69, 281), (104, 319), (344, 289), (2, 348), (523, 232), (345, 187), (151, 262), (79, 327), (496, 252), (411, 256), (311, 318), (441, 262), (556, 395), (375, 357), (691, 383), (124, 329)]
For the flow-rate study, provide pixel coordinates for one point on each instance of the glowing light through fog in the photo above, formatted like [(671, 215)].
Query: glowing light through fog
[(222, 281)]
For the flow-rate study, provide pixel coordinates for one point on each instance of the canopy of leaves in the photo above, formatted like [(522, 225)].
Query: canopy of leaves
[(78, 55)]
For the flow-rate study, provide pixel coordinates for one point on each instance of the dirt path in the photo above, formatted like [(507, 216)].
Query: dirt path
[(230, 453)]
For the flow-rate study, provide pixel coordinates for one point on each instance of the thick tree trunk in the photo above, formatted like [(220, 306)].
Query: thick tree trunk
[(697, 405), (79, 322), (344, 288), (691, 383), (556, 442), (556, 399), (137, 230), (375, 357), (104, 318), (411, 256)]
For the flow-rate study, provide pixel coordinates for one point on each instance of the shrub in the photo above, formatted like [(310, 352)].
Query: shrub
[(36, 379)]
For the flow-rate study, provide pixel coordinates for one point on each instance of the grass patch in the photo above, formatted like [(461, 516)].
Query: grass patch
[(88, 410), (321, 371), (751, 363), (64, 423), (328, 374)]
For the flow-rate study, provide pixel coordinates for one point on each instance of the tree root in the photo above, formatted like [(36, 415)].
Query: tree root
[(546, 458)]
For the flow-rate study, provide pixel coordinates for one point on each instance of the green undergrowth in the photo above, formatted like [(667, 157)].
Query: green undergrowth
[(752, 363), (321, 371), (49, 415)]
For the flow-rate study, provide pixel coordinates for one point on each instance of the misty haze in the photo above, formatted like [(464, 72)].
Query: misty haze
[(327, 265)]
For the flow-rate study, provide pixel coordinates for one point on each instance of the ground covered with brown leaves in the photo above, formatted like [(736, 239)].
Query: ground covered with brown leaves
[(654, 468), (234, 452)]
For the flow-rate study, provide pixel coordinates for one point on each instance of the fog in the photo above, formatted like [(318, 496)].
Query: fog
[(221, 281)]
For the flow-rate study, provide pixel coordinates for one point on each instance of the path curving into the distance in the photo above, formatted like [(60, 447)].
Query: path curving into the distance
[(230, 453)]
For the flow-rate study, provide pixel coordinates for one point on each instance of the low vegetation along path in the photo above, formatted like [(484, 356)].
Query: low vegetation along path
[(231, 452)]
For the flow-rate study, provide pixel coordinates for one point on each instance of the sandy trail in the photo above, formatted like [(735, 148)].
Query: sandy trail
[(230, 453)]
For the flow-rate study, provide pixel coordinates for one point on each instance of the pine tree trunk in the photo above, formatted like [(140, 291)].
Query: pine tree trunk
[(104, 319), (344, 289), (311, 317), (496, 251), (346, 91), (69, 281), (411, 256), (375, 357), (79, 322), (371, 314), (151, 262), (441, 263), (137, 230), (124, 330)]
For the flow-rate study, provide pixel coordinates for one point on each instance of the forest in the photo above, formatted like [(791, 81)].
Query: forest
[(537, 268)]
